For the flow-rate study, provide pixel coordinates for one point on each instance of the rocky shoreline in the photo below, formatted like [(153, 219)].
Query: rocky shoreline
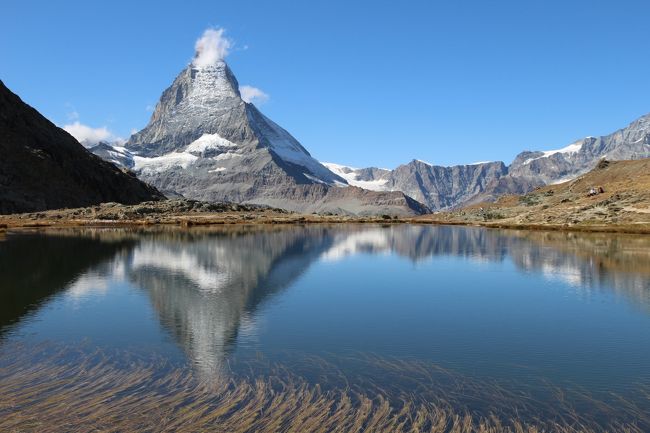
[(178, 212), (614, 197), (190, 213)]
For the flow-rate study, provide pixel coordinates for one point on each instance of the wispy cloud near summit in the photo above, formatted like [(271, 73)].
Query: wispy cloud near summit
[(89, 136), (211, 47), (253, 94)]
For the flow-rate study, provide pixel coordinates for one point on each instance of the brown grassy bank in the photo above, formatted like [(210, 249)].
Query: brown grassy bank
[(67, 219), (183, 213), (619, 203)]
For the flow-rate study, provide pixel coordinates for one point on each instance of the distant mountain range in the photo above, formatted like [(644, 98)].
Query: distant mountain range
[(436, 186), (204, 142), (441, 187), (614, 194), (43, 167)]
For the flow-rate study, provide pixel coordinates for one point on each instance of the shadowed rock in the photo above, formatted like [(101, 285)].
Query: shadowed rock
[(43, 167)]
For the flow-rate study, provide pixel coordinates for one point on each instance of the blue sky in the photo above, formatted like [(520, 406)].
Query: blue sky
[(360, 83)]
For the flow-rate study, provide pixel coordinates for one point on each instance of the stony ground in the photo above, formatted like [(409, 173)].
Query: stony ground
[(174, 212)]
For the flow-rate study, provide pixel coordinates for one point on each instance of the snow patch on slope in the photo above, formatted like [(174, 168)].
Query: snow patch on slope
[(118, 154), (183, 159), (480, 162), (571, 148), (338, 168), (209, 142), (162, 163), (314, 178), (350, 175), (372, 185)]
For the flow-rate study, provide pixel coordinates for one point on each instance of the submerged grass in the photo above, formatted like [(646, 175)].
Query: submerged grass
[(49, 390)]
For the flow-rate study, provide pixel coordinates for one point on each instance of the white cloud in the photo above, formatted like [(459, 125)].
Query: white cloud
[(89, 136), (211, 47), (253, 94)]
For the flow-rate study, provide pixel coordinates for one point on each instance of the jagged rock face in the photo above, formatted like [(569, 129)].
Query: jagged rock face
[(505, 185), (204, 142), (632, 142), (43, 167), (202, 119), (200, 101), (203, 136), (533, 169), (436, 186), (447, 187), (444, 187)]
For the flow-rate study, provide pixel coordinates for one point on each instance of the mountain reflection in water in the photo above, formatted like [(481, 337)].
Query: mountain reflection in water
[(206, 284)]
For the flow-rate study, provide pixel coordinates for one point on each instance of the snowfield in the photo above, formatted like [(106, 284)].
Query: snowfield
[(350, 175), (571, 148)]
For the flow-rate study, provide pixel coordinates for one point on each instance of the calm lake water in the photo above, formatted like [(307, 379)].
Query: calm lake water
[(530, 311)]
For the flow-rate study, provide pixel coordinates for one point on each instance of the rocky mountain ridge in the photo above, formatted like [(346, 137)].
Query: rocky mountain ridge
[(43, 167), (614, 195), (438, 187), (205, 142), (442, 187)]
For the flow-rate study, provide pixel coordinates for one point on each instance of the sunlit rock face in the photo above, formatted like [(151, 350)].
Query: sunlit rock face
[(553, 166), (205, 142), (441, 187), (531, 169), (436, 186)]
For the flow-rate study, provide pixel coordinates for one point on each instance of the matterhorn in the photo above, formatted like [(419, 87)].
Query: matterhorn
[(205, 142)]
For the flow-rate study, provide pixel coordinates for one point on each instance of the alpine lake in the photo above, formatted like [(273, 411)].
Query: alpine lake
[(324, 328)]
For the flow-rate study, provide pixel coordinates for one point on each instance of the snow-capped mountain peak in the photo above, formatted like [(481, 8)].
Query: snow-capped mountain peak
[(202, 117), (205, 142)]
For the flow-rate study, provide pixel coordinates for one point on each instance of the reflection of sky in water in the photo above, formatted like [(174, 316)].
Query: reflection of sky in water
[(489, 303)]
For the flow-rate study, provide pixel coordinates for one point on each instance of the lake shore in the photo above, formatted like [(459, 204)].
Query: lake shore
[(188, 213), (612, 198), (132, 329)]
